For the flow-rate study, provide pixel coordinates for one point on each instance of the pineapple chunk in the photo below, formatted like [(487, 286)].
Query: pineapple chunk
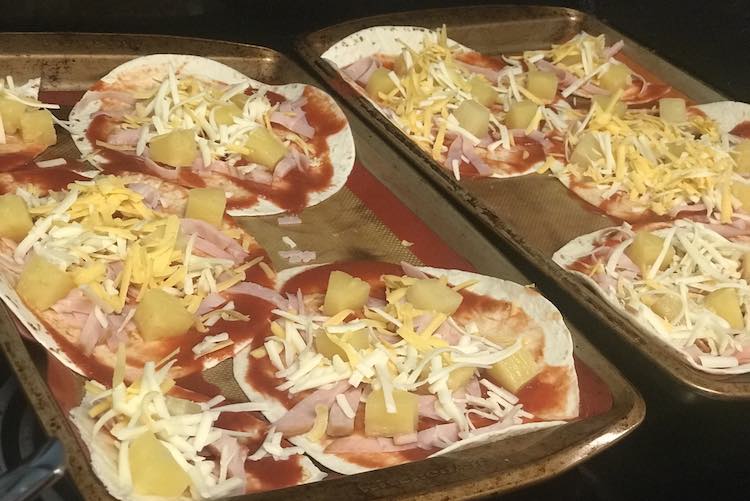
[(482, 91), (570, 60), (177, 148), (359, 340), (726, 304), (178, 406), (160, 314), (239, 100), (618, 109), (515, 371), (42, 284), (745, 269), (473, 117), (741, 191), (264, 147), (644, 250), (153, 470), (15, 220), (433, 295), (520, 114), (381, 423), (11, 112), (379, 82), (668, 307), (672, 109), (459, 377), (586, 151), (741, 156), (206, 204), (344, 292), (225, 114), (617, 77), (37, 127), (543, 84)]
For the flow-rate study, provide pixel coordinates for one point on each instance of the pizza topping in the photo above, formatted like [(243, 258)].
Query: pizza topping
[(24, 119), (168, 446), (102, 239), (394, 363), (688, 286)]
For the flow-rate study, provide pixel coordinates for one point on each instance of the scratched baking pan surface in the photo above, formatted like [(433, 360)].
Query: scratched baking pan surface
[(365, 220), (532, 215)]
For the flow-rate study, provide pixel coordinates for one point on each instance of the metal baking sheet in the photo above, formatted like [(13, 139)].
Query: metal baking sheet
[(529, 216), (365, 220)]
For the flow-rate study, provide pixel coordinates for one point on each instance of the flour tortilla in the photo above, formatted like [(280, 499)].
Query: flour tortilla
[(391, 40), (583, 246), (558, 352), (138, 72), (727, 114), (139, 352)]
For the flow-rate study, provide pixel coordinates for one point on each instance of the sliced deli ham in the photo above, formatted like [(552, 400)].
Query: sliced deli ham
[(300, 418), (339, 424)]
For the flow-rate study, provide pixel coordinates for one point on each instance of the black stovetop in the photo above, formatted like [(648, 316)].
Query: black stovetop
[(688, 447)]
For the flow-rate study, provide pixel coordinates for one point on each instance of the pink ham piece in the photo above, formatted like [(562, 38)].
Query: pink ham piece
[(210, 249), (75, 302), (448, 333), (237, 454), (614, 49), (366, 445), (150, 194), (301, 418), (91, 333), (260, 175), (253, 289), (360, 70), (291, 115), (412, 271), (213, 235), (454, 153), (439, 436), (210, 302), (124, 137), (427, 407), (406, 438), (159, 171), (339, 424)]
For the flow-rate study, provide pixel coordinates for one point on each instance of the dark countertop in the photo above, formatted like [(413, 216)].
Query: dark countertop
[(688, 447)]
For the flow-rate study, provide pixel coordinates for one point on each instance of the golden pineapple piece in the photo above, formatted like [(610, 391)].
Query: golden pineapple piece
[(379, 82), (431, 294), (515, 371), (673, 110), (381, 423), (37, 127), (618, 109), (160, 314), (179, 406), (482, 91), (11, 112), (741, 155), (239, 100), (645, 249), (42, 284), (586, 151), (745, 267), (153, 470), (726, 303), (177, 148), (226, 113), (676, 148), (543, 84), (520, 114), (741, 191), (617, 77), (473, 117), (92, 272), (667, 307), (206, 204), (459, 377), (264, 147), (344, 292), (570, 60), (360, 340), (15, 220)]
